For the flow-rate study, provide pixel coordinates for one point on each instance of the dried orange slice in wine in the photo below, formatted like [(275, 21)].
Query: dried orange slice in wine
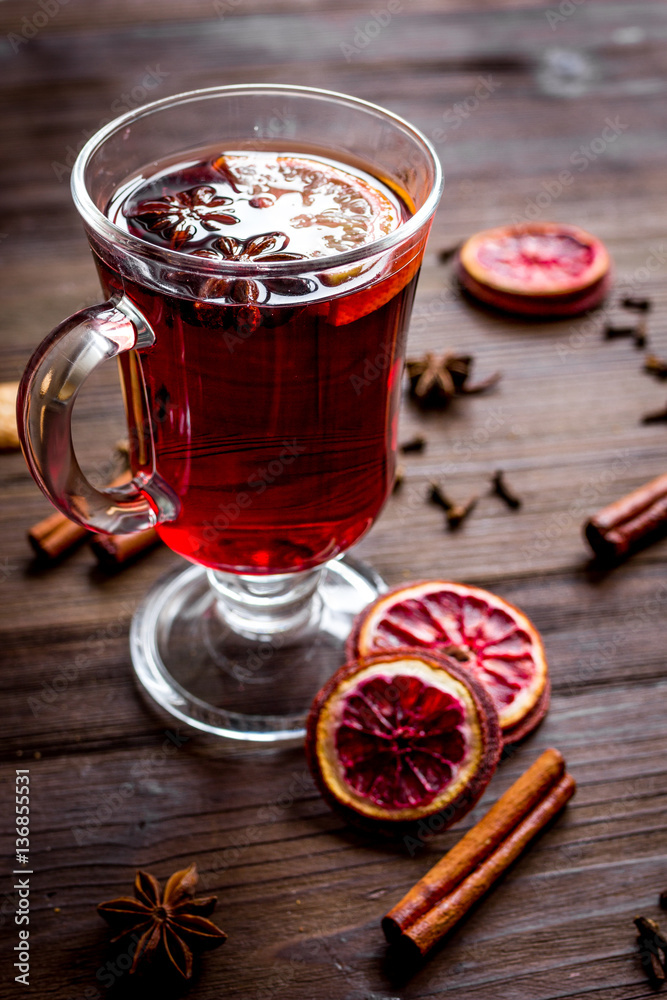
[(537, 268), (492, 640), (398, 737)]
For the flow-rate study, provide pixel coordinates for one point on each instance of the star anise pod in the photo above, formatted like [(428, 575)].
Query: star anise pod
[(175, 217), (263, 247), (435, 380), (170, 924)]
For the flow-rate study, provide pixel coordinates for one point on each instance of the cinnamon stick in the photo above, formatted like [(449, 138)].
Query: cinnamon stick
[(9, 435), (626, 524), (428, 929), (477, 844), (114, 550), (56, 534)]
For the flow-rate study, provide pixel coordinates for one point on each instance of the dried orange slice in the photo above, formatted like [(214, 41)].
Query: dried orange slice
[(494, 641), (537, 268), (398, 737), (349, 308)]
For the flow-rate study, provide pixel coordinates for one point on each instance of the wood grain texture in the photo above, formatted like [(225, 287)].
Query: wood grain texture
[(115, 786)]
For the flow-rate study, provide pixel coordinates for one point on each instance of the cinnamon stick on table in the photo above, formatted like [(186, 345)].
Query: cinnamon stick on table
[(630, 522), (114, 550), (56, 534), (9, 435), (477, 843), (446, 893)]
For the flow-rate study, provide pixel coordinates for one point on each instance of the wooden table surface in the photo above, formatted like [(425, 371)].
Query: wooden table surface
[(301, 895)]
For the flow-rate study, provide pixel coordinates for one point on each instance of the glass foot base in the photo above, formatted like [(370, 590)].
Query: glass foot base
[(193, 663)]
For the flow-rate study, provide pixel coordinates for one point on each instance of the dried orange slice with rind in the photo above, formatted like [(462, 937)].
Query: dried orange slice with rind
[(349, 308), (395, 738), (536, 268), (491, 639)]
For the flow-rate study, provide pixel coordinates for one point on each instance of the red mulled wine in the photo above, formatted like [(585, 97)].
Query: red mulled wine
[(272, 392)]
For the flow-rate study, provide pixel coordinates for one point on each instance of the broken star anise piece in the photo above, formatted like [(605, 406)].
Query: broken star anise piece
[(435, 380), (170, 924), (652, 950)]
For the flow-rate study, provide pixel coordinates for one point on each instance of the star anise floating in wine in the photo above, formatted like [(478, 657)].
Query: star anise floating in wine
[(264, 247), (170, 925), (435, 380), (176, 217)]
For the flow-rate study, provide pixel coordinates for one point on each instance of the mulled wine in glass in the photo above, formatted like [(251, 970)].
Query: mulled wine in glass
[(259, 249)]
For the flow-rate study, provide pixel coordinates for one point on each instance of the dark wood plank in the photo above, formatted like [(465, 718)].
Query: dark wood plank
[(116, 785)]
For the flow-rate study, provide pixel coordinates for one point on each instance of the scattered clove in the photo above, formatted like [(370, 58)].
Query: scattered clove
[(414, 445), (447, 253), (455, 513), (655, 366), (437, 497), (458, 513), (652, 950), (637, 333), (612, 332), (663, 899), (656, 417), (399, 479), (640, 337), (637, 304), (502, 490)]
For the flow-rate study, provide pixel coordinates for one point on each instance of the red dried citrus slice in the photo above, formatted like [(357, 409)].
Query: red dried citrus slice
[(539, 268), (494, 641), (352, 307), (397, 737)]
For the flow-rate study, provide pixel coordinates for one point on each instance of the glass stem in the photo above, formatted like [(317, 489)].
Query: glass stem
[(259, 607)]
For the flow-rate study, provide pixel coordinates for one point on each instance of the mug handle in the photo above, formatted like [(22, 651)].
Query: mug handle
[(48, 390)]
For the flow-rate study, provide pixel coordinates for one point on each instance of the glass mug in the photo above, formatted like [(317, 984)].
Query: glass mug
[(262, 395)]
